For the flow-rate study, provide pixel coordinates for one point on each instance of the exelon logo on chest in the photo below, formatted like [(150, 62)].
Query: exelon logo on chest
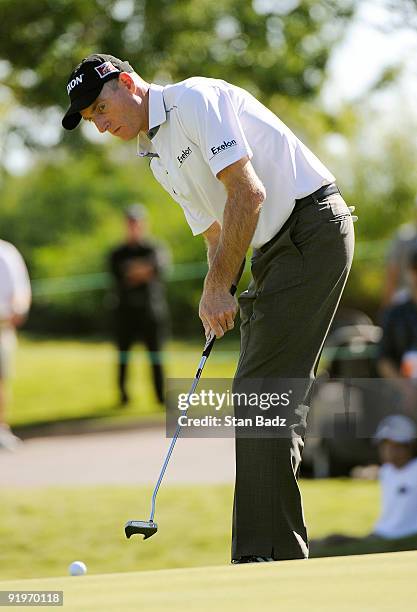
[(184, 154), (226, 144)]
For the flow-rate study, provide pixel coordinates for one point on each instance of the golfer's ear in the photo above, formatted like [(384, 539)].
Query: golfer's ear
[(126, 80)]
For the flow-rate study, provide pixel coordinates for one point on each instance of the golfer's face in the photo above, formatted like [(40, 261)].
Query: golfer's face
[(114, 111)]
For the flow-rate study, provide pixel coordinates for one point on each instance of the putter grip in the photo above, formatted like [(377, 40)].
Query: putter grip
[(212, 339)]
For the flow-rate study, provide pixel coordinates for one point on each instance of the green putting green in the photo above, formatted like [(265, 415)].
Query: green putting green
[(379, 583)]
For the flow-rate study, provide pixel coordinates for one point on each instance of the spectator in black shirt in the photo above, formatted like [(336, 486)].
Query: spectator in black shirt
[(398, 348), (140, 312)]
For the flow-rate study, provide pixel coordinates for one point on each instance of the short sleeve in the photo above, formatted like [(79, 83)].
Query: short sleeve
[(210, 119), (196, 218), (163, 257)]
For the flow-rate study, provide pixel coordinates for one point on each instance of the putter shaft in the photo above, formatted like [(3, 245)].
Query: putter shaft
[(206, 352), (148, 528)]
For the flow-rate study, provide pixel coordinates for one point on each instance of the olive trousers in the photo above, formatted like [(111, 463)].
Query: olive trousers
[(297, 282)]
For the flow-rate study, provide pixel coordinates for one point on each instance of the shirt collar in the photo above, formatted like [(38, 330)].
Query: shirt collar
[(157, 111), (157, 116)]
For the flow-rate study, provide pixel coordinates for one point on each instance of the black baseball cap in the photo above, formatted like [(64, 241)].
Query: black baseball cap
[(86, 81)]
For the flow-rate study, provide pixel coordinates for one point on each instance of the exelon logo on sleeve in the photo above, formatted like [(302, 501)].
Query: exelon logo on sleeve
[(226, 144)]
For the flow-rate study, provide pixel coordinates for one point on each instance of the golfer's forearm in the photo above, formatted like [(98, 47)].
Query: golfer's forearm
[(212, 238), (245, 195), (211, 252), (240, 219)]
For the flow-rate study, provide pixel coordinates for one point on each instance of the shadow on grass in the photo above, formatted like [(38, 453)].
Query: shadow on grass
[(99, 419), (361, 546)]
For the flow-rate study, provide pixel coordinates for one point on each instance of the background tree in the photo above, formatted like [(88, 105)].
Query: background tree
[(270, 46), (64, 212)]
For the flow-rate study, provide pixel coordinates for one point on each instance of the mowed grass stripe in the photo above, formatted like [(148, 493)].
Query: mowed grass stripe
[(42, 530), (63, 379), (366, 583)]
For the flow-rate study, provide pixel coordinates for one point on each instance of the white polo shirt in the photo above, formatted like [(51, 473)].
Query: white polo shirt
[(206, 125), (399, 501), (15, 291)]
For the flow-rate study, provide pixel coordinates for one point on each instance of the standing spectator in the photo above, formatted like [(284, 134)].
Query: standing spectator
[(15, 299), (402, 246), (398, 348), (140, 312)]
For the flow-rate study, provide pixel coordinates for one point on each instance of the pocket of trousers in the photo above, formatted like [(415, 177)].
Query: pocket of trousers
[(281, 267), (246, 302), (338, 208)]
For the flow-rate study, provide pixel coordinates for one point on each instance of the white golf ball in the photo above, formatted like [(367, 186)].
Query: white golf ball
[(77, 568)]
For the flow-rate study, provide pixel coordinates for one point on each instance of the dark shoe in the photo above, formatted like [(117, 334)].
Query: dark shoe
[(252, 559)]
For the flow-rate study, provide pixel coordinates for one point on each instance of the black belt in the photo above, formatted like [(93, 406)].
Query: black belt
[(313, 198), (318, 195)]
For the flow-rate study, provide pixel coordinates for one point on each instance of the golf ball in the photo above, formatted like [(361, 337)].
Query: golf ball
[(77, 568)]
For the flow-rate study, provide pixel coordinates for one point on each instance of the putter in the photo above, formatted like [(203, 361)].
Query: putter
[(148, 528)]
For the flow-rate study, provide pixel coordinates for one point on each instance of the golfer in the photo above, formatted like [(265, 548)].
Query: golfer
[(243, 179)]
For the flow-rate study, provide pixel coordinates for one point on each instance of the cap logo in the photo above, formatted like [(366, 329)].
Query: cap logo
[(74, 82), (105, 69)]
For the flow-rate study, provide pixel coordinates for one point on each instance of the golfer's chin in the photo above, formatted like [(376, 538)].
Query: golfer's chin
[(124, 133)]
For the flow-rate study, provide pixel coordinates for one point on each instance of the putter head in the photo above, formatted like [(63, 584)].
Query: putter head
[(146, 528)]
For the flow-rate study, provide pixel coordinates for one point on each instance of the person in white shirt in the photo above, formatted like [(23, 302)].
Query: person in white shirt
[(15, 299), (243, 179), (396, 436)]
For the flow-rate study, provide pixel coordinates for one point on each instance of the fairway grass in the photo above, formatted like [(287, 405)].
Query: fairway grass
[(376, 583), (43, 529), (60, 380)]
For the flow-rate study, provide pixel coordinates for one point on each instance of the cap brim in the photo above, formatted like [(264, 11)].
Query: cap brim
[(72, 117), (387, 435)]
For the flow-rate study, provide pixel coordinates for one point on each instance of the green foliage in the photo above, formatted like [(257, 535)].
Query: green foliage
[(266, 46), (64, 214), (378, 177)]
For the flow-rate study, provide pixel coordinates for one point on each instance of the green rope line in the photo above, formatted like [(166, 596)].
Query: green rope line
[(369, 250)]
